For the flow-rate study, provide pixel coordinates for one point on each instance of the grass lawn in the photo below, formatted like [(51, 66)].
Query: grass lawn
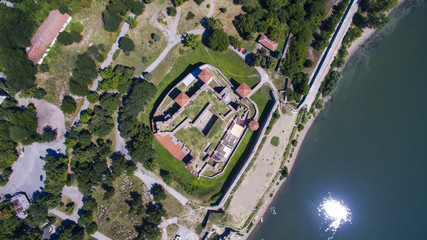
[(192, 138), (141, 36), (262, 98), (62, 58)]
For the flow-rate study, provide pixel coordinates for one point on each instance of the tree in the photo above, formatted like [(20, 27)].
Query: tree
[(68, 105), (148, 231), (91, 228), (171, 11), (93, 97), (135, 203), (213, 24), (156, 37), (119, 78), (155, 212), (331, 83), (190, 16), (126, 44), (148, 76), (223, 10), (65, 38), (192, 40), (132, 22), (179, 2), (158, 192), (234, 41), (110, 102), (83, 74), (199, 2), (137, 7), (101, 123), (218, 40), (308, 63)]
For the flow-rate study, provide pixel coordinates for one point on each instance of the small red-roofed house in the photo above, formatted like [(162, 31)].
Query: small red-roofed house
[(46, 35), (253, 125), (182, 99), (266, 42), (243, 90), (205, 76)]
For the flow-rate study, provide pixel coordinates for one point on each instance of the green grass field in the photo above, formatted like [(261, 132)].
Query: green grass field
[(262, 98)]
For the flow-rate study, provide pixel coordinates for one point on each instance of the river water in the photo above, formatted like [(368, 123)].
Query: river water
[(362, 170)]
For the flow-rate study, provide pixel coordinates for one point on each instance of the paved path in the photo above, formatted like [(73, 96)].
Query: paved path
[(7, 3), (100, 236), (324, 65), (74, 194), (106, 63), (29, 166), (149, 179)]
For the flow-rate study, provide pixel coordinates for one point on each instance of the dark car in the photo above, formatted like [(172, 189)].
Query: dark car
[(41, 177)]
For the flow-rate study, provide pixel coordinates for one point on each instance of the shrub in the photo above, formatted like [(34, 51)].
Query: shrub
[(148, 76), (158, 192), (223, 10), (76, 36), (213, 24), (76, 27), (65, 38), (192, 41), (275, 141), (234, 41), (68, 105), (300, 127), (132, 22), (179, 2), (44, 67), (294, 143), (171, 11), (308, 63), (199, 2), (116, 54), (93, 97), (208, 6), (331, 83), (126, 44), (156, 37), (144, 59), (190, 16)]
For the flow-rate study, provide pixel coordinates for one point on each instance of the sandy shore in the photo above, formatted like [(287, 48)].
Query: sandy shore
[(291, 161)]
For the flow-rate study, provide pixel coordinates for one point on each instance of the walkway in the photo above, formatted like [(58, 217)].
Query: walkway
[(74, 194), (323, 66), (150, 179)]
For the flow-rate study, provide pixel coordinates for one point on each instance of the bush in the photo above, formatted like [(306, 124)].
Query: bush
[(218, 40), (275, 141), (294, 143), (132, 22), (158, 192), (199, 2), (44, 67), (300, 127), (308, 63), (234, 41), (76, 27), (190, 16), (179, 2), (331, 83), (76, 36), (223, 10), (68, 105), (116, 54), (156, 37), (93, 97), (171, 11), (148, 76), (208, 6), (192, 41), (144, 59), (213, 24), (126, 44), (65, 38)]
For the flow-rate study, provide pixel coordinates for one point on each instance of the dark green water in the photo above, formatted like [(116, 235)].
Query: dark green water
[(368, 149)]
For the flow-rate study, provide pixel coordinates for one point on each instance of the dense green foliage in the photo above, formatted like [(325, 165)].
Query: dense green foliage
[(158, 192), (33, 92), (126, 44), (262, 58), (68, 38), (372, 13), (328, 26), (331, 83), (83, 74), (218, 40), (171, 11), (116, 10), (213, 24), (192, 40), (119, 78), (56, 168), (16, 29), (190, 16), (234, 41), (68, 105), (179, 2)]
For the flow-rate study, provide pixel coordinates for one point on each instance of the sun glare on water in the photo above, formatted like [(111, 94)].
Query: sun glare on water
[(334, 213)]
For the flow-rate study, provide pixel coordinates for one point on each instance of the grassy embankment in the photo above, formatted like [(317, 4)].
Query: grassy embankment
[(203, 189)]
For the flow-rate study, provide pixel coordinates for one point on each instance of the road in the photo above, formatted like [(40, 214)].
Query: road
[(29, 166), (324, 65)]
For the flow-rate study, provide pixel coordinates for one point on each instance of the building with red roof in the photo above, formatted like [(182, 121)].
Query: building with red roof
[(182, 99), (266, 42), (205, 76), (243, 90), (253, 125), (46, 35)]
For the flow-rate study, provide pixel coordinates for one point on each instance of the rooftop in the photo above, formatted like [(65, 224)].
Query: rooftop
[(182, 99), (205, 75), (46, 35), (243, 90), (266, 42)]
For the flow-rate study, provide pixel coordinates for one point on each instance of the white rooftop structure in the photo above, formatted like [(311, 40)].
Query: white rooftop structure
[(21, 205), (188, 80), (237, 130)]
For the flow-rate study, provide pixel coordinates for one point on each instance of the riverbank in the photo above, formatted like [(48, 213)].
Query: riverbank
[(274, 188)]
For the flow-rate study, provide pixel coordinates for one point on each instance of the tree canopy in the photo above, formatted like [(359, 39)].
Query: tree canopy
[(218, 40)]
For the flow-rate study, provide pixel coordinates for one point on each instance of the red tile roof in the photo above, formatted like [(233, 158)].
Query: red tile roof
[(174, 149), (205, 75), (253, 125), (266, 42), (46, 34), (243, 90), (182, 99)]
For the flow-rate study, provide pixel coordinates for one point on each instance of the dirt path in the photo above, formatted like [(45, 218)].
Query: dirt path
[(259, 177)]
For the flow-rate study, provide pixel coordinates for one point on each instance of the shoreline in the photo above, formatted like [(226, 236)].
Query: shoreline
[(274, 189)]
